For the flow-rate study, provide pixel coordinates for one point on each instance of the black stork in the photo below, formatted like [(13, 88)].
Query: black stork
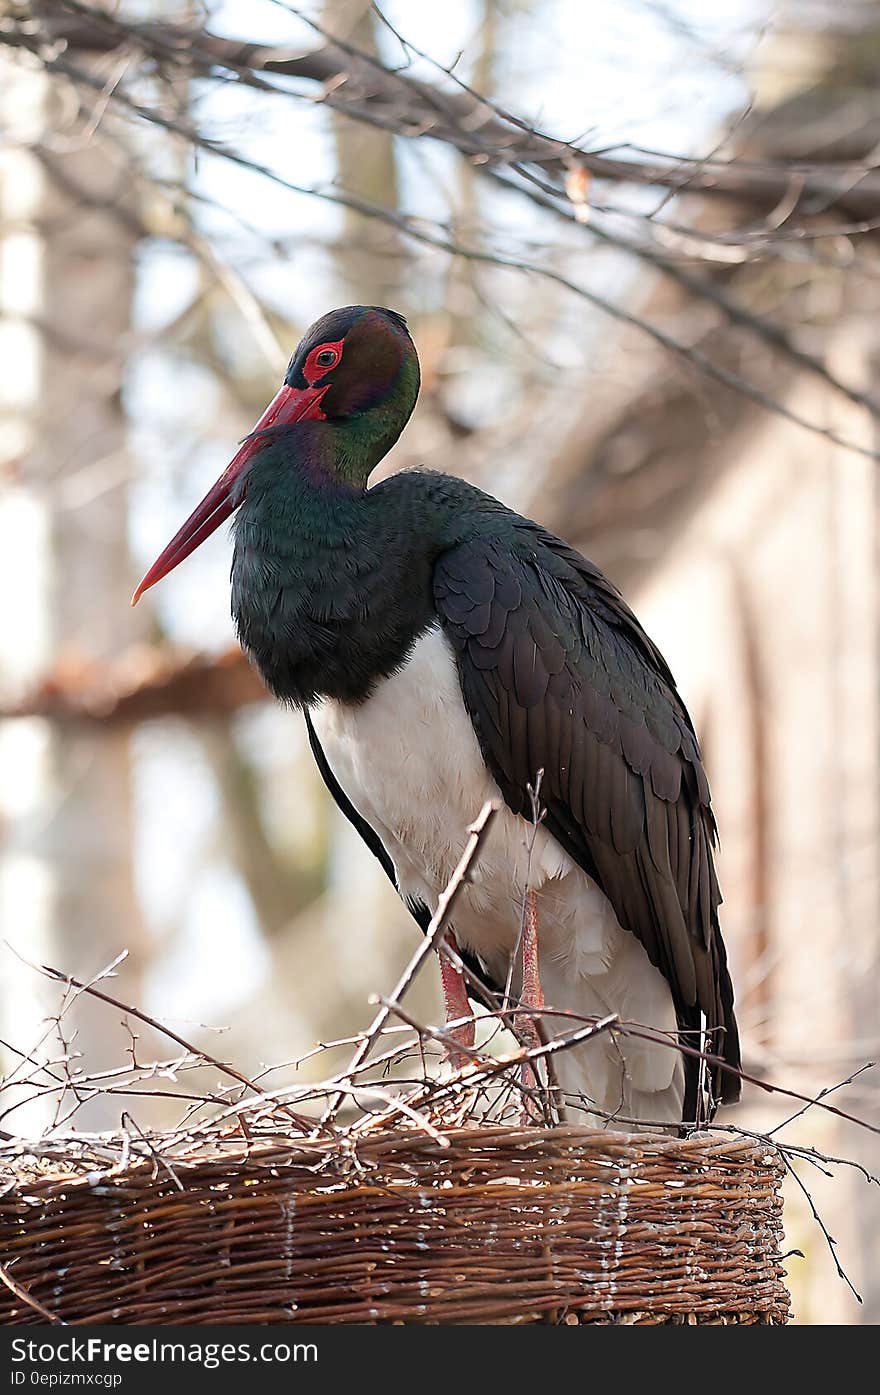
[(444, 651)]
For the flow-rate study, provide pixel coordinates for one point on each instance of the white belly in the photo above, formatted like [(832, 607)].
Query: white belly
[(409, 761)]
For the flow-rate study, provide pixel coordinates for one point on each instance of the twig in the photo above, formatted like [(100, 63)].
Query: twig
[(491, 1066), (299, 1119), (829, 1239), (828, 1090), (420, 231), (25, 1297), (157, 1156), (391, 99), (635, 1029), (477, 833)]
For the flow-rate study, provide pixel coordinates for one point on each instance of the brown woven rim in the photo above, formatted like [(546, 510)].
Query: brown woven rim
[(503, 1225)]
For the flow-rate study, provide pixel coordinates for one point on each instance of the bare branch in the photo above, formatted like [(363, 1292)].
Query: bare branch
[(146, 683), (354, 82), (439, 238), (223, 1066), (433, 935), (24, 1297)]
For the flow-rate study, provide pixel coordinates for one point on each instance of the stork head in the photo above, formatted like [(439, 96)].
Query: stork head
[(356, 372)]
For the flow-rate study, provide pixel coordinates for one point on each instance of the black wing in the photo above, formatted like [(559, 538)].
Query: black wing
[(417, 909), (558, 675)]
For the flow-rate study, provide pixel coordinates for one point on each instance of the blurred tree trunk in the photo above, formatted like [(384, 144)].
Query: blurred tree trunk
[(66, 283), (465, 315), (281, 883), (369, 257)]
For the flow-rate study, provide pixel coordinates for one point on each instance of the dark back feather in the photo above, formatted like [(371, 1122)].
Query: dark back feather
[(558, 675)]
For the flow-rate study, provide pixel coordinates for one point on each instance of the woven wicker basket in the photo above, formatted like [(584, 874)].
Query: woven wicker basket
[(503, 1225)]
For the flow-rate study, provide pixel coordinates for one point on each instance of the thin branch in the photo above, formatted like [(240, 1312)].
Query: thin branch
[(709, 1058), (477, 833), (767, 331), (829, 1238), (59, 977), (155, 1154), (421, 231), (360, 85), (828, 1090), (147, 683), (24, 1297)]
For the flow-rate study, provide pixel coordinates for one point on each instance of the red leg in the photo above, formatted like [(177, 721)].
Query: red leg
[(457, 1006), (532, 995), (532, 992)]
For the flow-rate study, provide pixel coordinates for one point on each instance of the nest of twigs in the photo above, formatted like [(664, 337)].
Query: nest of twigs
[(394, 1188), (493, 1224)]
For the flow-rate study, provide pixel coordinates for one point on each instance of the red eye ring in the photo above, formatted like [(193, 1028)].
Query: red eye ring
[(321, 360)]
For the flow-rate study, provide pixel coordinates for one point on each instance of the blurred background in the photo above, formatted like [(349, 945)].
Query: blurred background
[(636, 242)]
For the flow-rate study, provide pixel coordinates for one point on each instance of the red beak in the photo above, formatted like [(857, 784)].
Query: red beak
[(287, 406)]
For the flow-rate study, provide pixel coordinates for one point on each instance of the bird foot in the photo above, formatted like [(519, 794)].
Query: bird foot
[(457, 1007)]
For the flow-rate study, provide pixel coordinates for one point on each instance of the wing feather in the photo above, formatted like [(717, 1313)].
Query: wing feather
[(557, 674)]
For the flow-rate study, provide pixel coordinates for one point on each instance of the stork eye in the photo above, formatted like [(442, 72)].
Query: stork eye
[(320, 360)]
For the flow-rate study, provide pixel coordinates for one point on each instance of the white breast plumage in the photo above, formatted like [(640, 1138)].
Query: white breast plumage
[(409, 761)]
